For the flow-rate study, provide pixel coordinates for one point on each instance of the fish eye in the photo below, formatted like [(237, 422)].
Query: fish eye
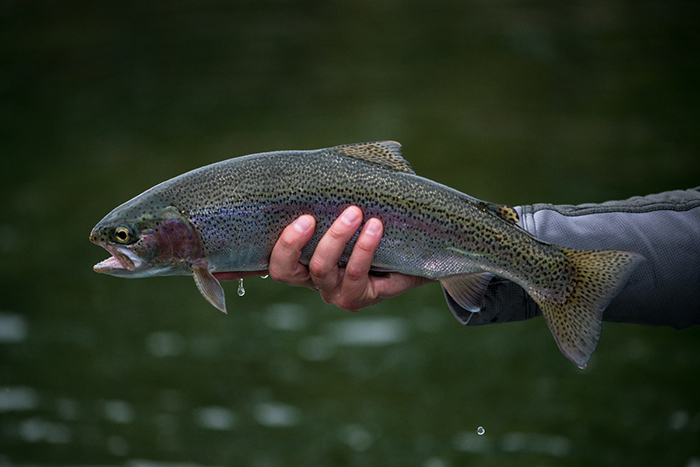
[(122, 234)]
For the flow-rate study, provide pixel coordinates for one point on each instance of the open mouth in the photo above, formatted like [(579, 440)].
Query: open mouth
[(122, 260)]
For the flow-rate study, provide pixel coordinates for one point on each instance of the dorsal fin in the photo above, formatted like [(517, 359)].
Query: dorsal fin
[(506, 213), (385, 154)]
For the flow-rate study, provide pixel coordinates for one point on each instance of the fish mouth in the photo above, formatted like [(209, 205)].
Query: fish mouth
[(122, 261)]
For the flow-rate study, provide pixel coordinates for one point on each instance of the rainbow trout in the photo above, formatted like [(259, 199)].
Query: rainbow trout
[(227, 216)]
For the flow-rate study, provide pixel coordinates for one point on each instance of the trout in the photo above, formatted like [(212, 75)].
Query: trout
[(227, 217)]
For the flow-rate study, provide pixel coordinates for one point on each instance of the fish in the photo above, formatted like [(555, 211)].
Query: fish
[(227, 217)]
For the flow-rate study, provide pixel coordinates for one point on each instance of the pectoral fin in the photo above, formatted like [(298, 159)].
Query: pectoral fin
[(209, 287), (467, 290)]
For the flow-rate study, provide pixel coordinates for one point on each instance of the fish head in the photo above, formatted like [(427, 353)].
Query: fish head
[(146, 241)]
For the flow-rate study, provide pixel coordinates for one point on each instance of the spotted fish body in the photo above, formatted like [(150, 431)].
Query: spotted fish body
[(228, 216)]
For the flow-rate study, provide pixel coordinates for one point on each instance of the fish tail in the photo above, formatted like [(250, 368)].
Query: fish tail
[(577, 322)]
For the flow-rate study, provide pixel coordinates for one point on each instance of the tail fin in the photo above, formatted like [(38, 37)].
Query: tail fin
[(576, 324)]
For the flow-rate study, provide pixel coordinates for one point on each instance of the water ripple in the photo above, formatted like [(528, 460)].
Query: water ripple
[(277, 414), (13, 328), (17, 398), (369, 331), (215, 418)]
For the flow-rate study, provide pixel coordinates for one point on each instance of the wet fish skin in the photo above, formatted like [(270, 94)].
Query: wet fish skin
[(227, 217)]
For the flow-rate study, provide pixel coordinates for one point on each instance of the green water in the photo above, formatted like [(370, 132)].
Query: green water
[(512, 102)]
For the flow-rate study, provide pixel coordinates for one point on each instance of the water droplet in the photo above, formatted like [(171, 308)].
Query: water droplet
[(241, 290), (265, 276), (480, 431)]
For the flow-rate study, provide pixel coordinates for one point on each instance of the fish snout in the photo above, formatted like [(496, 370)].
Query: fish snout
[(98, 236)]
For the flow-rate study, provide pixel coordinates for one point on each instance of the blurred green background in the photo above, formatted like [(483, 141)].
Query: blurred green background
[(512, 102)]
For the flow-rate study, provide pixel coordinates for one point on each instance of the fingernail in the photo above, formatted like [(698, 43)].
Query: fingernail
[(302, 224), (372, 227), (349, 216)]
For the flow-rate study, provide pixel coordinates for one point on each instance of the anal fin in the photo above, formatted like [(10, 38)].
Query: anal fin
[(209, 287), (467, 290)]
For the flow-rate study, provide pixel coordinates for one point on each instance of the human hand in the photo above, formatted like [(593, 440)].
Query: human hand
[(351, 287)]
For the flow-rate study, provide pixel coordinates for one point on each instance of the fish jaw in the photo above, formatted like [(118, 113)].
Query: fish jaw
[(123, 262)]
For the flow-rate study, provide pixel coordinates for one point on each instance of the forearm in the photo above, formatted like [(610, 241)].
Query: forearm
[(664, 290)]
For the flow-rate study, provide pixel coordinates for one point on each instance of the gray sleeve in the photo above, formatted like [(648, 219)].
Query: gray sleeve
[(664, 290)]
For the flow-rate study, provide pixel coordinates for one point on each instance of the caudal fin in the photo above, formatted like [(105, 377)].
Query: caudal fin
[(576, 324)]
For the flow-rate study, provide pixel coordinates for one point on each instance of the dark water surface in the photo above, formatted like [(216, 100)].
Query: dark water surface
[(512, 102)]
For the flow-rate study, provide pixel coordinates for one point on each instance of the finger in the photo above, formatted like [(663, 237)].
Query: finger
[(323, 265), (355, 290), (381, 288), (395, 284), (356, 283), (284, 260)]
